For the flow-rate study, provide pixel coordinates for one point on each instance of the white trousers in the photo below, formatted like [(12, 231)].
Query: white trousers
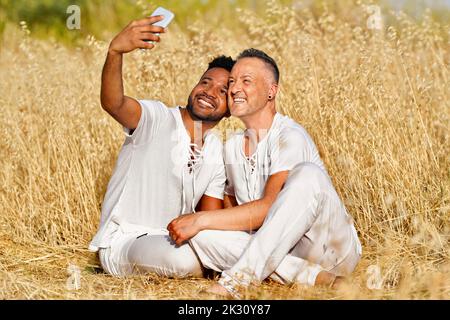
[(306, 230), (133, 253)]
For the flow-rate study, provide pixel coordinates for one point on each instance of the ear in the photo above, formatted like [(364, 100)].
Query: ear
[(273, 90)]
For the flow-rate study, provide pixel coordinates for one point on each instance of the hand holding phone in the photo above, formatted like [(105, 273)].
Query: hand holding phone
[(168, 17), (141, 33)]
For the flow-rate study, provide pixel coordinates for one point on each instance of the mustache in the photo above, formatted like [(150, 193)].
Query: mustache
[(212, 100)]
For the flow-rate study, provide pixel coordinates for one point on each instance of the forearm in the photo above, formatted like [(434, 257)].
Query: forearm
[(246, 217), (112, 93)]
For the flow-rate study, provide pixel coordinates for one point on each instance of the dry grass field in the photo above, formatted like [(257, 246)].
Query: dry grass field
[(377, 104)]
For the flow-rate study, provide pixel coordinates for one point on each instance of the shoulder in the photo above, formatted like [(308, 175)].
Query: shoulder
[(154, 107), (289, 131), (213, 147), (213, 144), (214, 139), (152, 104)]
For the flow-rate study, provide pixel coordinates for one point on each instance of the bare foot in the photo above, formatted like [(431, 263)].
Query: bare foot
[(325, 278), (217, 290), (329, 279), (338, 282)]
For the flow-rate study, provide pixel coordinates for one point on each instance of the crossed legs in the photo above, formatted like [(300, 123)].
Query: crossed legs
[(133, 254), (307, 230)]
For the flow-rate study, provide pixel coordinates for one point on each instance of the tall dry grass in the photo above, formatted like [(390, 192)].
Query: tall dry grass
[(376, 104)]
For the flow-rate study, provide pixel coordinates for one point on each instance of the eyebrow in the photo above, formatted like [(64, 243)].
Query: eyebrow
[(247, 75), (211, 79)]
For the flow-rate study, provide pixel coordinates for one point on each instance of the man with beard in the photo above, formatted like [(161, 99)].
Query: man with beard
[(170, 163)]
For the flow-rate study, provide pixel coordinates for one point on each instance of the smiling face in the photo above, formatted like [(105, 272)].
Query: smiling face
[(250, 85), (208, 100)]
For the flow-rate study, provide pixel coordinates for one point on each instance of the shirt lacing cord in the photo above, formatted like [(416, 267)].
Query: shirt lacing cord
[(252, 162), (254, 175), (195, 156)]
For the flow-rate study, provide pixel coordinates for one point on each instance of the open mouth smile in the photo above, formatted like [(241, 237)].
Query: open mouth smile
[(206, 103), (239, 100)]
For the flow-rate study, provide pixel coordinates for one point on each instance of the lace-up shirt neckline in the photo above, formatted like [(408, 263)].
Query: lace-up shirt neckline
[(252, 160)]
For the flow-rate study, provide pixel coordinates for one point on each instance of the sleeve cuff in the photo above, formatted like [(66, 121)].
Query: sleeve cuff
[(314, 271), (218, 195), (229, 193), (139, 125), (286, 168)]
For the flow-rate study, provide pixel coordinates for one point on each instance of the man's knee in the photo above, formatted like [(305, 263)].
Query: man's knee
[(308, 174), (182, 263), (219, 249), (205, 238), (158, 255), (219, 240)]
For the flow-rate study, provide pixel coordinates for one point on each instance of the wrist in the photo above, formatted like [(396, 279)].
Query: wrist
[(113, 52), (202, 220)]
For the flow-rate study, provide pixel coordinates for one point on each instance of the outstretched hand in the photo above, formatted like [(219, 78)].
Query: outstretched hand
[(184, 227), (134, 34)]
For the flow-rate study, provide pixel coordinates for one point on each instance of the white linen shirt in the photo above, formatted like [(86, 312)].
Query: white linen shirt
[(285, 145), (151, 183)]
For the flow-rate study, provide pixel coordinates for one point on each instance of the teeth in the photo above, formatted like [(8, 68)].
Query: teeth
[(205, 103), (239, 100)]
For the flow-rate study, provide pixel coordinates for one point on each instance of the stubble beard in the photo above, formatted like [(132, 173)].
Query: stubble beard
[(198, 117)]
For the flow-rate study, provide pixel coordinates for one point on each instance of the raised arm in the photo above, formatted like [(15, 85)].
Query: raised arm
[(125, 110)]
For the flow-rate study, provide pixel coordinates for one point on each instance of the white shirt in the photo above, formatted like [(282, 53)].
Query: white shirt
[(285, 145), (151, 183)]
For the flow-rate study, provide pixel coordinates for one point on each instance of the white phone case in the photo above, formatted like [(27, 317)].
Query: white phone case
[(168, 17)]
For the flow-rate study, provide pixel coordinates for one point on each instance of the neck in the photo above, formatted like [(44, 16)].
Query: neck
[(259, 123), (195, 128)]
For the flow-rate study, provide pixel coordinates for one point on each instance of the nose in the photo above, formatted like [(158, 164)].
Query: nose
[(234, 88), (210, 92)]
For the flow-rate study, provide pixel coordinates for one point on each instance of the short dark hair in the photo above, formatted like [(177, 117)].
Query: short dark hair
[(261, 55), (222, 61)]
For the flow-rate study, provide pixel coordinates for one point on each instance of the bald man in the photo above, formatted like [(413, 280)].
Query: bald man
[(283, 218)]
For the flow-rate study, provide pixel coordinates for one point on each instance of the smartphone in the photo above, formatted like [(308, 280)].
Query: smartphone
[(168, 17)]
